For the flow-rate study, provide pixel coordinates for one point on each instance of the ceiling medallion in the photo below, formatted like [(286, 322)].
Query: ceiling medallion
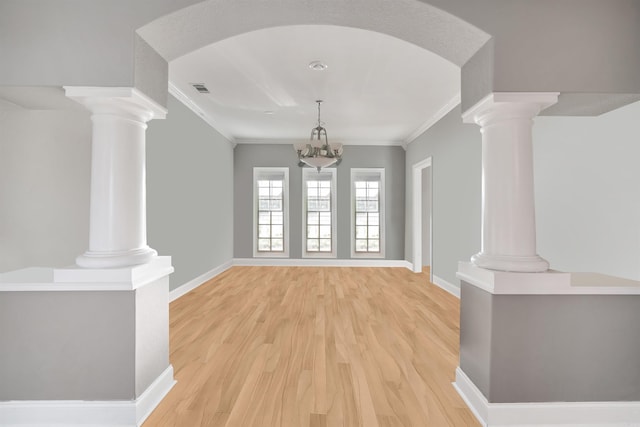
[(318, 153)]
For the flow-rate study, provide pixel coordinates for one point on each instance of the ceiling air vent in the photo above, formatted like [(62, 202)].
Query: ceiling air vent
[(200, 87)]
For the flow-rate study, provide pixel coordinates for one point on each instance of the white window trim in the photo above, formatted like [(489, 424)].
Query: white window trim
[(369, 171), (257, 171), (308, 172)]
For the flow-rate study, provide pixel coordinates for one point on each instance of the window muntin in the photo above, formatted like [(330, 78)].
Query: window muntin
[(318, 216), (367, 210), (367, 186), (319, 213), (271, 215)]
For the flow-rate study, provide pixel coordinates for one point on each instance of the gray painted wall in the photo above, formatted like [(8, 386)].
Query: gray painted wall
[(45, 168), (551, 348), (245, 158), (189, 193), (456, 171), (557, 58), (67, 345), (103, 345), (248, 156), (82, 44)]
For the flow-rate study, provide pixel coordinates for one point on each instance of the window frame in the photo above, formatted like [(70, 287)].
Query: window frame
[(359, 172), (306, 174), (259, 172)]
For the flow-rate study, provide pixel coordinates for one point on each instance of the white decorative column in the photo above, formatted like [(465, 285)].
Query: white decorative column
[(508, 212), (117, 226), (113, 317)]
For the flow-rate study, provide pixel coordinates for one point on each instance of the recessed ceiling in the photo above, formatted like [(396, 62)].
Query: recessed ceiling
[(376, 88)]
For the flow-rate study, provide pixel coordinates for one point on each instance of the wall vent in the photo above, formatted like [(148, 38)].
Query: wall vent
[(200, 87)]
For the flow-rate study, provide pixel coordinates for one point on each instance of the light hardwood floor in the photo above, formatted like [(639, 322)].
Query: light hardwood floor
[(316, 347)]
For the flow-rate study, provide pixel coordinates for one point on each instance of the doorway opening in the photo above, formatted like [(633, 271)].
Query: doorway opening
[(422, 180)]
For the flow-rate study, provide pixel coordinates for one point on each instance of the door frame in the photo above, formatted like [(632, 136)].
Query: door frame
[(417, 237)]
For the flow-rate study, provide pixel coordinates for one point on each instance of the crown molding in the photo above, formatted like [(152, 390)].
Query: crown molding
[(292, 141), (188, 102), (443, 111)]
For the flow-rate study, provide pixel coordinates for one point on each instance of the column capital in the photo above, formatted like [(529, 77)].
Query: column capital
[(502, 105), (116, 100)]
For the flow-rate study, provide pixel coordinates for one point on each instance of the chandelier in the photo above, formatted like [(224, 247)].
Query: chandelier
[(318, 153)]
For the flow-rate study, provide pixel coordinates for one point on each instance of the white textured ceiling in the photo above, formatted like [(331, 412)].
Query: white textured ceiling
[(376, 88)]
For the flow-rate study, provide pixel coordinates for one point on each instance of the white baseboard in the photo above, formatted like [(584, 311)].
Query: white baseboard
[(452, 289), (78, 413), (322, 262), (546, 414), (153, 395), (192, 284), (284, 262)]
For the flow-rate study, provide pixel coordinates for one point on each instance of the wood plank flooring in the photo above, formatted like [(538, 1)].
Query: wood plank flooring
[(316, 347)]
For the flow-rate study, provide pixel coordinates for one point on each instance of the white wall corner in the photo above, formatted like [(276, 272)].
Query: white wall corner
[(449, 287), (200, 280), (545, 414)]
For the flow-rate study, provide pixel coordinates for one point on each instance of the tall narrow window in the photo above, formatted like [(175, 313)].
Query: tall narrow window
[(271, 212), (367, 213), (319, 208)]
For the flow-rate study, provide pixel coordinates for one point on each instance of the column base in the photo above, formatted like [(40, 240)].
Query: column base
[(520, 264), (106, 259)]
